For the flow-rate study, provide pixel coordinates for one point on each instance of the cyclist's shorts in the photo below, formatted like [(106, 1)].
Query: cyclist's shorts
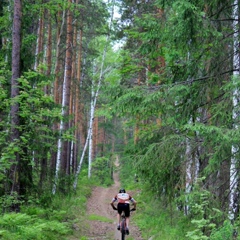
[(124, 207)]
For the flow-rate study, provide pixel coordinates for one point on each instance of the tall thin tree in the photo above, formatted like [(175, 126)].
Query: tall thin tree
[(14, 114), (62, 154), (233, 196)]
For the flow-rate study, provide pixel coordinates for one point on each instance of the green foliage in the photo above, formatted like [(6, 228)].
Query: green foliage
[(157, 221), (38, 113), (206, 217), (128, 172), (6, 201), (102, 168), (224, 232), (160, 165), (53, 222), (22, 226)]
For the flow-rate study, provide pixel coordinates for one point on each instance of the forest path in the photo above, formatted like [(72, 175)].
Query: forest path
[(99, 205)]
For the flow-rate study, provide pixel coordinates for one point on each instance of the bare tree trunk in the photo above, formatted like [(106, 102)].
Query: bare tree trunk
[(14, 114), (90, 149), (67, 87), (39, 48), (77, 120), (192, 171), (57, 89), (63, 147), (95, 137), (73, 98), (57, 85), (234, 180), (49, 49)]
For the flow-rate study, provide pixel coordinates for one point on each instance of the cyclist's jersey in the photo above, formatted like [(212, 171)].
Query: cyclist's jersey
[(123, 198)]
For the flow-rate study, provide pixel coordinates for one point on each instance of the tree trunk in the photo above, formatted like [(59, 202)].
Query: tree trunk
[(66, 88), (78, 122), (63, 147), (234, 193), (39, 48), (91, 124), (57, 72), (57, 85), (73, 98), (14, 114), (49, 50)]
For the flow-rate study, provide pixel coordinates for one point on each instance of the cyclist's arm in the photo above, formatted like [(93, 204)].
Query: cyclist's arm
[(112, 203), (134, 203)]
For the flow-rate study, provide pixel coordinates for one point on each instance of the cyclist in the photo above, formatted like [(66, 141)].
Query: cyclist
[(123, 200)]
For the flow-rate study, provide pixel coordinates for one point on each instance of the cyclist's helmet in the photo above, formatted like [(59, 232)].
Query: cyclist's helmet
[(122, 190)]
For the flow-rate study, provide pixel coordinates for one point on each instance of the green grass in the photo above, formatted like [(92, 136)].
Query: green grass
[(161, 224), (94, 217)]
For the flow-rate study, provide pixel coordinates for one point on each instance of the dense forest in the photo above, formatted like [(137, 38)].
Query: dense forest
[(152, 81)]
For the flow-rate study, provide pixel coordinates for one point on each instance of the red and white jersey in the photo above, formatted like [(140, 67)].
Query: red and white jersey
[(123, 198)]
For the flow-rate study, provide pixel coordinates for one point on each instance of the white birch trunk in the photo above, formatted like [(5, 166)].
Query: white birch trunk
[(192, 170), (236, 94), (59, 146), (81, 161), (188, 185), (92, 111), (71, 155), (59, 150), (93, 103), (89, 135), (57, 164), (36, 50)]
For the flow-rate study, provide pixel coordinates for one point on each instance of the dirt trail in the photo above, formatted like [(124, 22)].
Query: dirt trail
[(99, 204)]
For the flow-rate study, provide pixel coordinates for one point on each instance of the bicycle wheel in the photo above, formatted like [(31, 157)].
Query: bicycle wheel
[(123, 229)]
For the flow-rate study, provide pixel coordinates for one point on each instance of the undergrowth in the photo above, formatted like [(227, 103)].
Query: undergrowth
[(62, 219), (158, 218), (158, 222)]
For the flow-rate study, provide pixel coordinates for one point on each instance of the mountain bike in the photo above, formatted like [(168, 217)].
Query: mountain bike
[(123, 226)]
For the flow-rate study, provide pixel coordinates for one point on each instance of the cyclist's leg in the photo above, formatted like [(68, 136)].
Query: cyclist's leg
[(127, 221), (118, 218), (127, 225), (120, 209), (127, 214)]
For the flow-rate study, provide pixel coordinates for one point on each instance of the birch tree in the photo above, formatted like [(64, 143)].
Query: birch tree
[(94, 96), (62, 152), (233, 196), (40, 37)]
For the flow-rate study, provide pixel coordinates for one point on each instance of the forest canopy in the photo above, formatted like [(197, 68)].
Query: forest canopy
[(155, 81)]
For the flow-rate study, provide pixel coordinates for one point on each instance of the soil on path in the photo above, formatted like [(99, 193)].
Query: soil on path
[(99, 204)]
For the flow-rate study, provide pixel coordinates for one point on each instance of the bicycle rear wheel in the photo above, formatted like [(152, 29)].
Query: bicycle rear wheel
[(123, 236), (123, 230)]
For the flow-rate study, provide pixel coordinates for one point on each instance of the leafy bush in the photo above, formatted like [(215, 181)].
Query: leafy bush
[(101, 170), (22, 226), (224, 232), (54, 221), (158, 221)]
